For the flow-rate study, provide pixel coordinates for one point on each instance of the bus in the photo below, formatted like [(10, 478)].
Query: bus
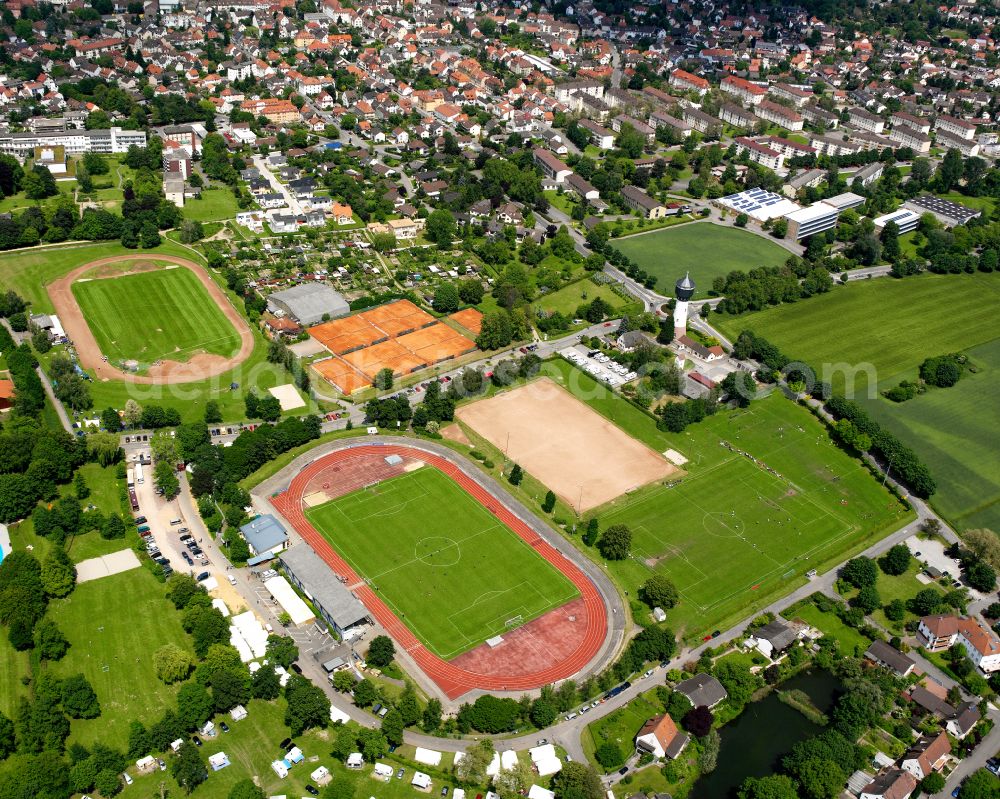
[(138, 472), (130, 478)]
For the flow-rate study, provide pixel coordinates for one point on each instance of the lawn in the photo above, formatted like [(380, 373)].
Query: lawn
[(947, 426), (455, 578), (252, 745), (705, 249), (149, 316), (881, 338), (112, 643), (733, 534), (214, 204), (620, 727), (13, 665), (567, 299), (829, 624)]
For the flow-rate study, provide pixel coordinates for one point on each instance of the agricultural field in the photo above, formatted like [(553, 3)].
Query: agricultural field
[(703, 248), (165, 313), (113, 649), (453, 579), (742, 529), (882, 337)]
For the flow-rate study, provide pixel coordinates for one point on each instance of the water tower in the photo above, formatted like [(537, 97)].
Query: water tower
[(683, 290)]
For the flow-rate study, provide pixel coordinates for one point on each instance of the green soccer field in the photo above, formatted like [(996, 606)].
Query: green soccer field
[(705, 249), (164, 314), (735, 534), (883, 330), (455, 578)]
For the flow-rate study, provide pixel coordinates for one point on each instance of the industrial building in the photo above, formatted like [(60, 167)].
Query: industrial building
[(816, 218), (308, 303)]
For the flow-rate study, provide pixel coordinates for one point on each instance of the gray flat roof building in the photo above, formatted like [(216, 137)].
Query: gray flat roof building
[(334, 601), (308, 303), (264, 534), (945, 210)]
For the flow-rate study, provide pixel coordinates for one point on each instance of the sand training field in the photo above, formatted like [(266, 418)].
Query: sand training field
[(585, 459)]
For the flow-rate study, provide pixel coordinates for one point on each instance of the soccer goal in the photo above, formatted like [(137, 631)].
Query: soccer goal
[(516, 621)]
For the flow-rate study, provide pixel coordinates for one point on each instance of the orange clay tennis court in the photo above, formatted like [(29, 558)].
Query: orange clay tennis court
[(470, 319), (342, 375), (398, 336)]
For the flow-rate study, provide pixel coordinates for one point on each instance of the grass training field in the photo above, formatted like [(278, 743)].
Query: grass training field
[(214, 204), (705, 249), (888, 327), (453, 578), (148, 316), (113, 648), (733, 535)]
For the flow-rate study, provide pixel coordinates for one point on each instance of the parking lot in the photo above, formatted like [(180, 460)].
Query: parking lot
[(599, 366)]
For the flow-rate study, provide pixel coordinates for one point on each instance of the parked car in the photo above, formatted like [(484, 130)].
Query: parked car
[(203, 576), (285, 744), (623, 770), (223, 726), (444, 791), (161, 763), (127, 778), (186, 538), (400, 773), (311, 790), (196, 740), (140, 519)]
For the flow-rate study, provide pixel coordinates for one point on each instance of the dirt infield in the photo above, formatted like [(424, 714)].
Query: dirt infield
[(585, 459), (199, 367), (553, 647)]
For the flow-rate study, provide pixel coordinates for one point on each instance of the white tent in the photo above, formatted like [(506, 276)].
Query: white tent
[(238, 713), (494, 767), (538, 792), (283, 675), (241, 646), (252, 631), (383, 771), (458, 757), (458, 793), (221, 606), (508, 759), (336, 714), (175, 745), (420, 780), (355, 760), (541, 752), (292, 603), (427, 756), (549, 765)]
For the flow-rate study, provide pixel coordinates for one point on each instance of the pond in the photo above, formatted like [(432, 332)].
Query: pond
[(754, 743)]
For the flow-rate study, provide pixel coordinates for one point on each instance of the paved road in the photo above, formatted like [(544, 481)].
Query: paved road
[(46, 383)]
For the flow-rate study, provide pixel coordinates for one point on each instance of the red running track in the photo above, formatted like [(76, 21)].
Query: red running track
[(453, 680)]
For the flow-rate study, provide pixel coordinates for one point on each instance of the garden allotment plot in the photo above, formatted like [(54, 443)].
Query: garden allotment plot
[(161, 314), (451, 572)]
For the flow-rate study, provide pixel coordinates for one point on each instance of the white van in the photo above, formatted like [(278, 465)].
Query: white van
[(127, 778), (232, 580)]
